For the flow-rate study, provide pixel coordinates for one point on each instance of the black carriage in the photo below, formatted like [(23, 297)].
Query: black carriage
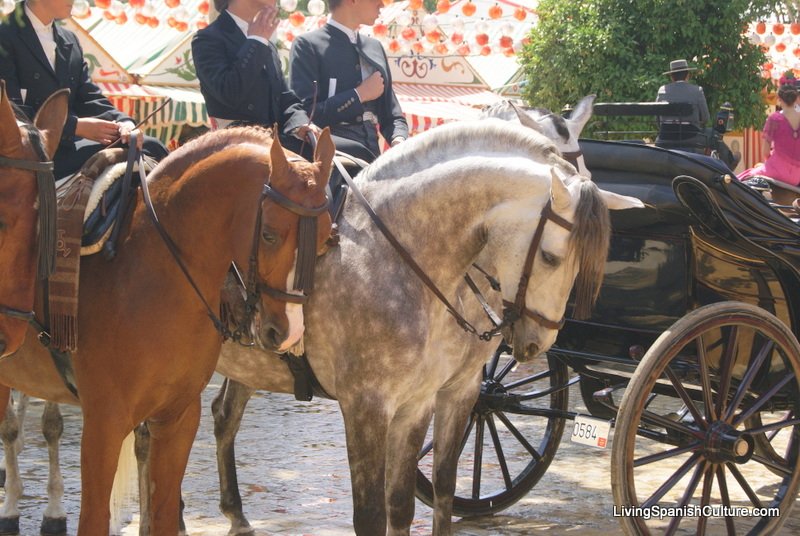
[(691, 354)]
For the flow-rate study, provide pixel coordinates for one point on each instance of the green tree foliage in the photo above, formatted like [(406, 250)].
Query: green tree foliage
[(617, 49)]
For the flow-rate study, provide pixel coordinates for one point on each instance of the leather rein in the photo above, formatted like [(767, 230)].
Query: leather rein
[(47, 218), (512, 311)]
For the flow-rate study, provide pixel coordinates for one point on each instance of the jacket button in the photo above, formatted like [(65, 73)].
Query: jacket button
[(358, 119), (250, 107), (36, 76)]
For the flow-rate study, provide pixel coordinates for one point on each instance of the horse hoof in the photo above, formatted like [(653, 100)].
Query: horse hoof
[(9, 526), (54, 526)]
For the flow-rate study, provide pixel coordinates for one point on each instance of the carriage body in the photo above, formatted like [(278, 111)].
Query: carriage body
[(701, 296), (677, 255)]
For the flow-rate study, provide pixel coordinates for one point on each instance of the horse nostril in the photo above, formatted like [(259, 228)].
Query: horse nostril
[(274, 336), (532, 350)]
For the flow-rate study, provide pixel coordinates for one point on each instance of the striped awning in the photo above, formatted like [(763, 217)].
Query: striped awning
[(461, 95)]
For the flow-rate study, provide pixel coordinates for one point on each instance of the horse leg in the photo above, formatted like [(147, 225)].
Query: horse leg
[(101, 445), (228, 408), (54, 520), (11, 434), (366, 423), (453, 408), (406, 436), (170, 444), (5, 399), (142, 450)]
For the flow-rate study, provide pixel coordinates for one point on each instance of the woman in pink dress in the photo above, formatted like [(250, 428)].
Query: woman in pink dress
[(781, 134)]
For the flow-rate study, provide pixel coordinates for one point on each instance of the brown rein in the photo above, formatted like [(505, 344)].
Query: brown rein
[(511, 311)]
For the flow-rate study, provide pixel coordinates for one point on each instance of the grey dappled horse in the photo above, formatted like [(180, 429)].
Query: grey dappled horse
[(563, 132), (383, 345)]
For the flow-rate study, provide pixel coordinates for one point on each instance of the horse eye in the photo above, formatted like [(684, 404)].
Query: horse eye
[(270, 236), (550, 259)]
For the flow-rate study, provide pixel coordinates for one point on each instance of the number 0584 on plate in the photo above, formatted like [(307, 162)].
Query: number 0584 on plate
[(591, 431)]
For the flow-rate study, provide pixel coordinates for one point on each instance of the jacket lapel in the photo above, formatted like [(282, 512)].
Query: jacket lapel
[(28, 36), (63, 52)]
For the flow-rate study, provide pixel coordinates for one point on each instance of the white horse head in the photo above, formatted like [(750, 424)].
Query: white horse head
[(564, 133)]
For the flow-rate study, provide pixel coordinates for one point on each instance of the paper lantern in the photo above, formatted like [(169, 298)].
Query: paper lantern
[(148, 10), (316, 7), (520, 14), (761, 27), (777, 28), (116, 8), (506, 41), (482, 39), (433, 36), (458, 24), (486, 50), (482, 27), (153, 22), (203, 8), (495, 12), (394, 46), (379, 29), (140, 18), (102, 4), (415, 5), (443, 6), (122, 18), (172, 4), (80, 9), (456, 38), (794, 28), (430, 22), (468, 9), (296, 18), (288, 5)]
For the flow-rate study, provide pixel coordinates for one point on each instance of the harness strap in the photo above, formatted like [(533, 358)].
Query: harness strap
[(465, 325)]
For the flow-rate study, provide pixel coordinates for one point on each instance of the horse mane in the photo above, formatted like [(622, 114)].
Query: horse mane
[(590, 238), (178, 161), (504, 110), (450, 141)]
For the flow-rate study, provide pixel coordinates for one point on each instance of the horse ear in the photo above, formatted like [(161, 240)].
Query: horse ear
[(581, 114), (559, 193), (620, 202), (9, 131), (50, 119), (324, 155), (280, 166), (525, 119)]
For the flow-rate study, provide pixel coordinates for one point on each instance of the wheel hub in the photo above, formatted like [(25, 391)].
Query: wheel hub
[(493, 397), (725, 444)]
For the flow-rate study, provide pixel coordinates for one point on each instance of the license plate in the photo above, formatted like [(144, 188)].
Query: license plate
[(591, 431)]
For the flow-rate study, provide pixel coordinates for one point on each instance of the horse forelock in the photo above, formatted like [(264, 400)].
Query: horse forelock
[(589, 240), (468, 138)]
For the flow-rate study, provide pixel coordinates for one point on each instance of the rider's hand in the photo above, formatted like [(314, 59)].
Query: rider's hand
[(264, 23), (397, 141), (126, 128), (98, 130), (371, 88), (302, 131)]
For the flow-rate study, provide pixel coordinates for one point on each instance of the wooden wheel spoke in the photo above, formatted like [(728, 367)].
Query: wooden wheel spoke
[(726, 500), (675, 522), (752, 369), (529, 379), (477, 463), (687, 400), (518, 435), (705, 498), (774, 427), (705, 380), (654, 418), (744, 485), (490, 368), (782, 469), (671, 481), (508, 367), (671, 453), (470, 426), (763, 399), (498, 448), (727, 362)]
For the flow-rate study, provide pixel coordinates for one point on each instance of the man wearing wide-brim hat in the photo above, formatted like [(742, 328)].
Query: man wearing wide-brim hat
[(681, 90)]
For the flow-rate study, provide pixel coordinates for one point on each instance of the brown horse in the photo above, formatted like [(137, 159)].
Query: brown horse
[(146, 345), (27, 180)]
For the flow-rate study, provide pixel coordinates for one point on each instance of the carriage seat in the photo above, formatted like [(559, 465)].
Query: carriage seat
[(683, 135)]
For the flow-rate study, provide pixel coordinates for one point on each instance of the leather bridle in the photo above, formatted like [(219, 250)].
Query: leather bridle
[(47, 218), (511, 311), (307, 233)]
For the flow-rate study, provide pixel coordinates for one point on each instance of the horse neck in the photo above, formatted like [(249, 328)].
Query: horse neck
[(442, 216), (209, 216)]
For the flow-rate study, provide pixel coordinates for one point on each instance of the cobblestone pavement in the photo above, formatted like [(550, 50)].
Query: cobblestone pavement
[(294, 479)]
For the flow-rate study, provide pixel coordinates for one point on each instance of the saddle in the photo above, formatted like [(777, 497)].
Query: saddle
[(89, 205)]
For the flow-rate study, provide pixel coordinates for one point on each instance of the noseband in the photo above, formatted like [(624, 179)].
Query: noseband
[(47, 216)]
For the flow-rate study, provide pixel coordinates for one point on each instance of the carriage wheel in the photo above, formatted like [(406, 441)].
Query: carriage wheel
[(507, 447), (693, 455)]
